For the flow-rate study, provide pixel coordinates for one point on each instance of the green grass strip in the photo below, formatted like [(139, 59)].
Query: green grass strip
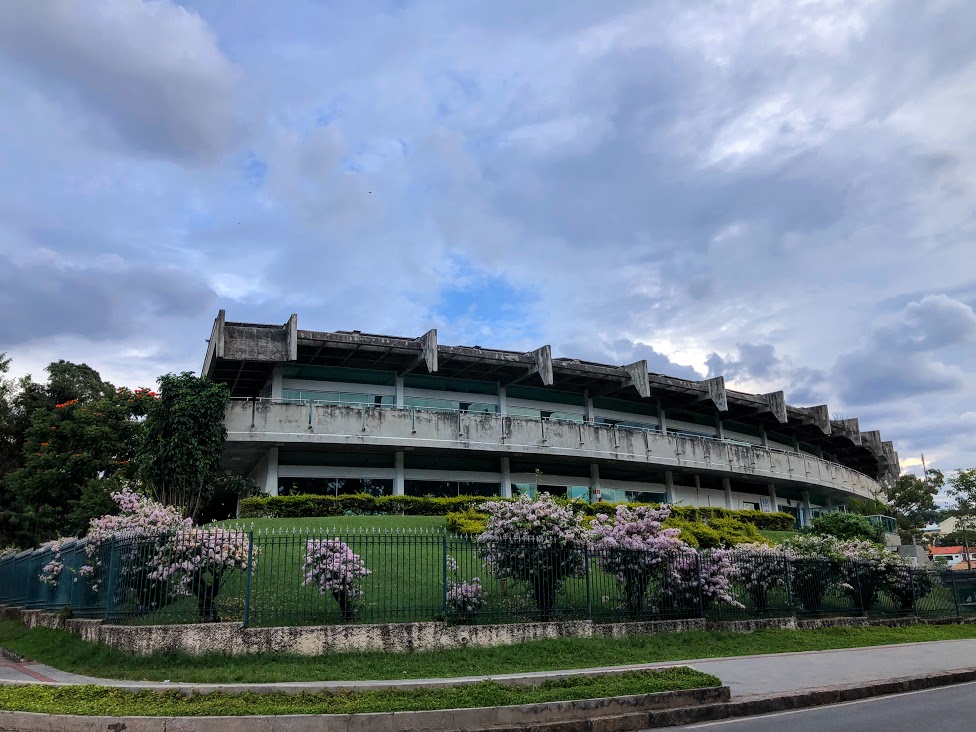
[(102, 700), (68, 652)]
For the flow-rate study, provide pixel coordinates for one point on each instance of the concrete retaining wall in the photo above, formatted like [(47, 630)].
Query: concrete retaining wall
[(234, 639), (612, 714)]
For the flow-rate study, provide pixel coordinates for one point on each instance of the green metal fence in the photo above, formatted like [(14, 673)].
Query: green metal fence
[(408, 576)]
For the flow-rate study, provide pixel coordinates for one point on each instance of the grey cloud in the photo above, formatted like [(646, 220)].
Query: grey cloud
[(152, 71), (98, 302), (623, 351)]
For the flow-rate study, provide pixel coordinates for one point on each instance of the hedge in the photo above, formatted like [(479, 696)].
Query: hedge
[(311, 506)]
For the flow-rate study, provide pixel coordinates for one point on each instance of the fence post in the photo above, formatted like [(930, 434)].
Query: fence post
[(586, 565), (789, 586), (955, 595), (247, 582), (860, 591), (444, 577), (110, 579), (911, 583), (698, 573)]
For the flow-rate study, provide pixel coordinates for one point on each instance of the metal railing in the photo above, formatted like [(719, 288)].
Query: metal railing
[(293, 578), (414, 410)]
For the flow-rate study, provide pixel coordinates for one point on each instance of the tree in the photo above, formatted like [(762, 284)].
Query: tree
[(962, 489), (185, 435), (912, 499), (73, 452)]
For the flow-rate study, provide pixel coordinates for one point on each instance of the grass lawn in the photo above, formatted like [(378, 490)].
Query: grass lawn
[(342, 523), (778, 537), (101, 700), (68, 652)]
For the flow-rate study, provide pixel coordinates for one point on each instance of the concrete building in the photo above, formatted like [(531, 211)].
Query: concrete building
[(342, 412)]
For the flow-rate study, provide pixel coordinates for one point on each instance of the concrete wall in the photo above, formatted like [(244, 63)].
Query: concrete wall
[(233, 639), (264, 422)]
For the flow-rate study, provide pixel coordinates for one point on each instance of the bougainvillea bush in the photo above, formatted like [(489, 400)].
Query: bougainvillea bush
[(336, 569), (536, 541)]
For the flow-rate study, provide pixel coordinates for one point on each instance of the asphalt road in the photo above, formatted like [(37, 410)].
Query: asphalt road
[(947, 709)]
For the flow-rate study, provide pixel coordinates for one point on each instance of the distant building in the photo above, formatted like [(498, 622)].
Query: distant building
[(343, 412), (953, 555)]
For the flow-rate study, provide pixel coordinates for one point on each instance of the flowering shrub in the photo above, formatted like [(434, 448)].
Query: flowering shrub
[(161, 555), (815, 569), (51, 572), (336, 569), (760, 569), (641, 554), (533, 540), (463, 598)]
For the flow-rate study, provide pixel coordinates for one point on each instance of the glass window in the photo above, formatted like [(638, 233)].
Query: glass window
[(356, 399), (524, 412), (426, 403)]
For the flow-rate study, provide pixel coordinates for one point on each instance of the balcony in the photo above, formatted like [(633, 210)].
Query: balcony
[(263, 423)]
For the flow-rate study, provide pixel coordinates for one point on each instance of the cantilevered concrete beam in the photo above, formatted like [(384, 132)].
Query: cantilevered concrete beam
[(428, 353), (542, 358), (819, 416), (776, 405), (637, 372), (853, 428), (215, 346), (291, 328), (716, 393), (872, 439)]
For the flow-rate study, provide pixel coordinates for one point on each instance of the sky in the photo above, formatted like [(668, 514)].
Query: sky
[(781, 192)]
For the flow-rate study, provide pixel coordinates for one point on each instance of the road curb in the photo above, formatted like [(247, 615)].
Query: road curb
[(756, 705), (608, 714)]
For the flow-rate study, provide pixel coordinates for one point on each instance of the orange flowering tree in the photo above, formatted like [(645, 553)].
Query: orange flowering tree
[(76, 452)]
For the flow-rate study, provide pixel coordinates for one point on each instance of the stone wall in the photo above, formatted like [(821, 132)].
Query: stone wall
[(235, 639)]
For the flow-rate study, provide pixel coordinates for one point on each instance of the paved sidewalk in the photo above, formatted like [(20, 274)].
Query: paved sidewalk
[(747, 676)]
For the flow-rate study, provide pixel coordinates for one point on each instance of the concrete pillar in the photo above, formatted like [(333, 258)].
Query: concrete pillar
[(830, 504), (276, 382), (271, 481), (727, 487), (796, 445), (398, 474), (506, 478), (807, 517), (719, 428), (502, 400), (669, 486), (399, 390), (662, 417), (765, 438), (587, 407), (594, 478), (772, 496), (697, 490)]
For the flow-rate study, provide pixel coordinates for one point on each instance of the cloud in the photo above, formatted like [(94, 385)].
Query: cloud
[(151, 71)]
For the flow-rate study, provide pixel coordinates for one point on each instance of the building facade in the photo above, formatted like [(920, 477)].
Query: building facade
[(344, 412)]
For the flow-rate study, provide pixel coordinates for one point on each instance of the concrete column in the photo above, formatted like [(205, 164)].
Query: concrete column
[(502, 400), (796, 445), (276, 383), (669, 486), (271, 482), (772, 496), (727, 486), (506, 478), (830, 504), (719, 428), (587, 407), (399, 390), (662, 417), (697, 490), (594, 478), (765, 438), (398, 474), (807, 517)]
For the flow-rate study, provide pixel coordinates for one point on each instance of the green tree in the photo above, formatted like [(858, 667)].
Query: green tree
[(847, 526), (75, 453), (962, 489), (912, 499), (180, 456)]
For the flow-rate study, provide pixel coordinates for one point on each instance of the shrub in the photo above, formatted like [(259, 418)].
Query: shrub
[(463, 598), (847, 526), (526, 540), (336, 569), (309, 506), (467, 522), (760, 569), (700, 536)]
